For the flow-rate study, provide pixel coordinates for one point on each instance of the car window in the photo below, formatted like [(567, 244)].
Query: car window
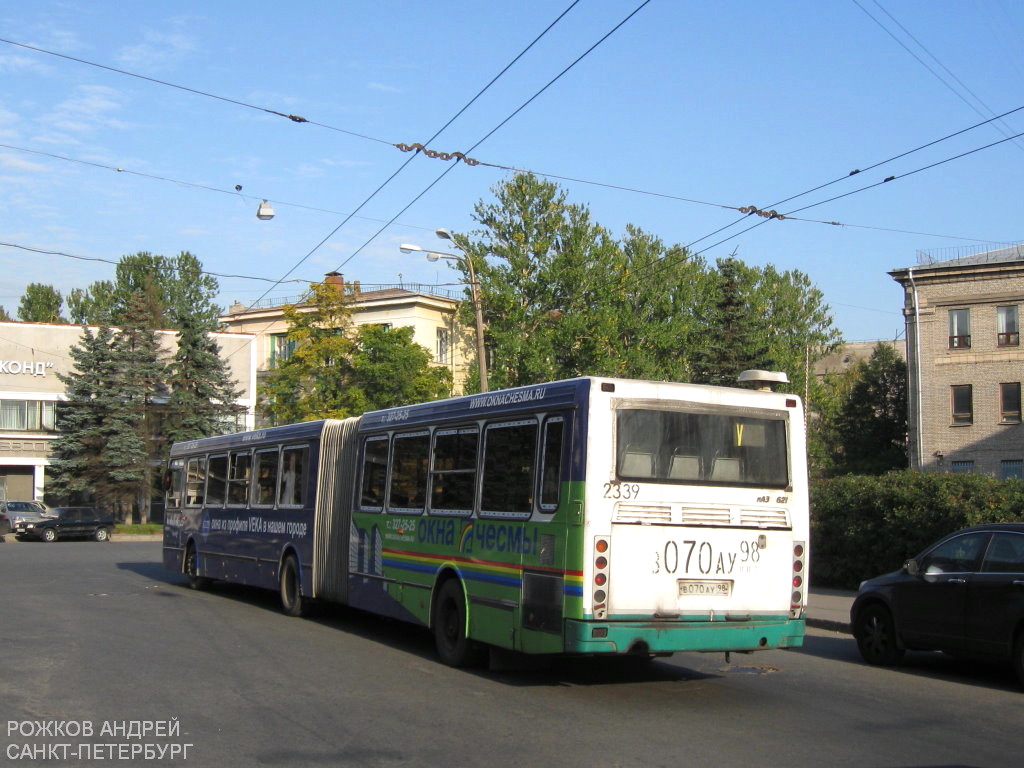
[(958, 555), (1005, 554)]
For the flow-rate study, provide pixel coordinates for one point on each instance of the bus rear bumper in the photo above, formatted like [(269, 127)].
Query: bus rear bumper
[(640, 637)]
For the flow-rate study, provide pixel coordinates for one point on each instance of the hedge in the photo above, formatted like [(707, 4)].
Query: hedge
[(863, 526)]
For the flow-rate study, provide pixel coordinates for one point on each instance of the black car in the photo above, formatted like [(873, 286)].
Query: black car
[(963, 595), (67, 523)]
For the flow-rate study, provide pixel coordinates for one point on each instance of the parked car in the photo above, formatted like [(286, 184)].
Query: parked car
[(67, 523), (11, 512), (963, 595)]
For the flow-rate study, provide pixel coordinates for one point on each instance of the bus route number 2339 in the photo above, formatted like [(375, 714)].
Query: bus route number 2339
[(621, 490)]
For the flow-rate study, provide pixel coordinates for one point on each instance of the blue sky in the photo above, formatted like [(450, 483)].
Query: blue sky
[(728, 104)]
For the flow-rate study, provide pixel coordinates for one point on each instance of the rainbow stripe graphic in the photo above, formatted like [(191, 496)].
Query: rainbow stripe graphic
[(474, 569)]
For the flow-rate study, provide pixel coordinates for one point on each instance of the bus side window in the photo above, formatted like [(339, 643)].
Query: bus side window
[(217, 481), (375, 473), (265, 490), (294, 462), (453, 475), (509, 454), (408, 490), (195, 481), (551, 466), (175, 472), (238, 481)]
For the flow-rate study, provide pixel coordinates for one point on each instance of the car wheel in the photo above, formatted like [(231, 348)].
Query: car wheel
[(453, 647), (191, 569), (49, 534), (875, 632), (102, 534), (291, 588), (1018, 656)]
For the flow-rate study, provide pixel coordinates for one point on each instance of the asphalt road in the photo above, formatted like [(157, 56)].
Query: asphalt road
[(100, 634)]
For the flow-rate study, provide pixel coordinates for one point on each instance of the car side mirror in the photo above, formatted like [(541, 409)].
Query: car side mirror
[(912, 567)]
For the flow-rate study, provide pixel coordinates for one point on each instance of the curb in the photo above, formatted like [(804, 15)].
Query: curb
[(830, 626)]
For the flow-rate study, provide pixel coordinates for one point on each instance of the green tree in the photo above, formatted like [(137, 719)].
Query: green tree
[(203, 393), (389, 369), (177, 287), (135, 443), (41, 304), (562, 298), (93, 305), (871, 426), (77, 472), (4, 317), (315, 381), (736, 341)]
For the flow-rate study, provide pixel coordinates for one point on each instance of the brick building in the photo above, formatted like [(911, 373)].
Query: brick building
[(965, 363)]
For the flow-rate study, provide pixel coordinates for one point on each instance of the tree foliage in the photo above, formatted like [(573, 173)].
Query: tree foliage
[(176, 287), (126, 403), (563, 298), (871, 425), (41, 304), (390, 370), (336, 371)]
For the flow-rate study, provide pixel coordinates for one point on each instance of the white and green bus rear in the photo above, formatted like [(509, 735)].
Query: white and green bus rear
[(696, 522)]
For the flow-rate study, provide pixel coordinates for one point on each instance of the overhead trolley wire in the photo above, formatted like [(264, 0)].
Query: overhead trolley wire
[(490, 133), (417, 151)]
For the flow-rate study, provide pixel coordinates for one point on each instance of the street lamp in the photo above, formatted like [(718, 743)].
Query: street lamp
[(265, 211), (474, 289)]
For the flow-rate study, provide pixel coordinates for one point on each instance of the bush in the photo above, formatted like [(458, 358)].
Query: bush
[(864, 525)]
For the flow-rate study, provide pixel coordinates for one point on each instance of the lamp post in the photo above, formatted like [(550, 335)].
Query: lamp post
[(474, 292)]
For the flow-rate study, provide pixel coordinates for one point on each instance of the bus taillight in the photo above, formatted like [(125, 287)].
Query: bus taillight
[(600, 593), (796, 605)]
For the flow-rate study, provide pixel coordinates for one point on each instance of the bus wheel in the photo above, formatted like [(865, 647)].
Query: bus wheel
[(291, 588), (191, 569), (454, 648)]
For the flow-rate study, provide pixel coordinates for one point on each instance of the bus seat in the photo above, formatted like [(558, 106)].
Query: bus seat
[(637, 463), (725, 470), (684, 467)]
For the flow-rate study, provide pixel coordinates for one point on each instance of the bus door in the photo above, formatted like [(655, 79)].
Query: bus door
[(173, 541), (543, 554)]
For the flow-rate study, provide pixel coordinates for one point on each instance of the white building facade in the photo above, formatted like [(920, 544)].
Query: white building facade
[(32, 355)]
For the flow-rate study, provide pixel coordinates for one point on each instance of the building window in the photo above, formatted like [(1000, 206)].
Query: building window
[(1011, 469), (281, 348), (28, 415), (1009, 403), (442, 346), (959, 329), (1008, 330), (962, 402), (959, 467)]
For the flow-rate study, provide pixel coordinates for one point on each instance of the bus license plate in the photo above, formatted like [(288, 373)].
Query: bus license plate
[(690, 587)]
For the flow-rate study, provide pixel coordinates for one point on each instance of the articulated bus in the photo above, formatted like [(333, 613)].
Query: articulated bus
[(587, 516)]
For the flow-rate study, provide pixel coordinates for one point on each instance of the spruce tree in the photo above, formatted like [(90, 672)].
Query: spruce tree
[(76, 470), (203, 393)]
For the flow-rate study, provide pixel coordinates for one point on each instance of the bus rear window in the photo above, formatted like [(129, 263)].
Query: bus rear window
[(701, 448)]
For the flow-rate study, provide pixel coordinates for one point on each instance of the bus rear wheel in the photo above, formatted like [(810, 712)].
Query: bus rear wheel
[(191, 569), (291, 588), (453, 646)]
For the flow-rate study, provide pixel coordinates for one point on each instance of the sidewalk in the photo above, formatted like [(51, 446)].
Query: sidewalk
[(830, 609)]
